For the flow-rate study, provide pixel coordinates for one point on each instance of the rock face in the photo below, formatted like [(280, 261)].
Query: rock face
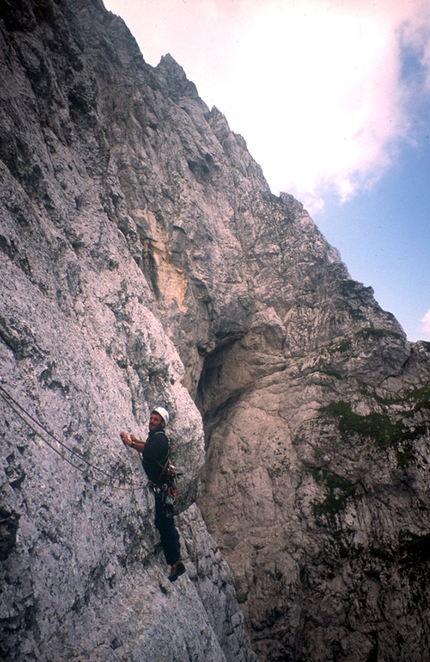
[(144, 260), (83, 355)]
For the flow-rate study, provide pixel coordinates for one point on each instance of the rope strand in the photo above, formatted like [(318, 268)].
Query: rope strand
[(21, 413)]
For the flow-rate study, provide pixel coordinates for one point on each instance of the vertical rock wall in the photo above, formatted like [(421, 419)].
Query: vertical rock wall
[(83, 356), (144, 259)]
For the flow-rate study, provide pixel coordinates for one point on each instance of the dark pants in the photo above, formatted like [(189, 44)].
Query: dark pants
[(168, 533)]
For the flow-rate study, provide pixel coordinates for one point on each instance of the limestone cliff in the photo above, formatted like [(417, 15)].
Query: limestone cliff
[(144, 259), (83, 355)]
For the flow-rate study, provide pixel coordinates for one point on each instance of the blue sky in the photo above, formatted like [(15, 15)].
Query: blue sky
[(383, 235), (383, 231), (333, 99)]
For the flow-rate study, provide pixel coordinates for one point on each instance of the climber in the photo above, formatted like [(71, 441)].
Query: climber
[(155, 461)]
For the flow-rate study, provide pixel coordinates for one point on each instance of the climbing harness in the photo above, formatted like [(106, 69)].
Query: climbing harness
[(31, 422), (166, 488), (169, 487)]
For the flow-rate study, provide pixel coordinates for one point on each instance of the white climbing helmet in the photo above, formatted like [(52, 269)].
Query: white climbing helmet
[(163, 413)]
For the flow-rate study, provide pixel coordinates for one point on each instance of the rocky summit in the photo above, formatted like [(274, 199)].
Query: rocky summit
[(144, 261)]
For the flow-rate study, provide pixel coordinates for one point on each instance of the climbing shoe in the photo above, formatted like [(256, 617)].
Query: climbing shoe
[(177, 570)]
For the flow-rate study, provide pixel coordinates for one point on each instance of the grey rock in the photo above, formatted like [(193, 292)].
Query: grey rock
[(144, 260), (211, 577), (82, 357)]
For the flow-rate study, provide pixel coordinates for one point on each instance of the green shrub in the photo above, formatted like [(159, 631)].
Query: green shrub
[(375, 426), (379, 427), (414, 548), (341, 346), (371, 332), (338, 492)]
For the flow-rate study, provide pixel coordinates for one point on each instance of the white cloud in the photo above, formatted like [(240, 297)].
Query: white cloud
[(425, 328), (314, 86)]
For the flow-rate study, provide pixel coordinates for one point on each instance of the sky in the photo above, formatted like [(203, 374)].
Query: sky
[(333, 100)]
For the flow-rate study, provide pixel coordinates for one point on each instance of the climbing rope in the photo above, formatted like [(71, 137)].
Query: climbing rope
[(26, 417)]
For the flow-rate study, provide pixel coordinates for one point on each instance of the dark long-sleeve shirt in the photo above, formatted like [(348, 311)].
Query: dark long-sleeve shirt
[(155, 454)]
